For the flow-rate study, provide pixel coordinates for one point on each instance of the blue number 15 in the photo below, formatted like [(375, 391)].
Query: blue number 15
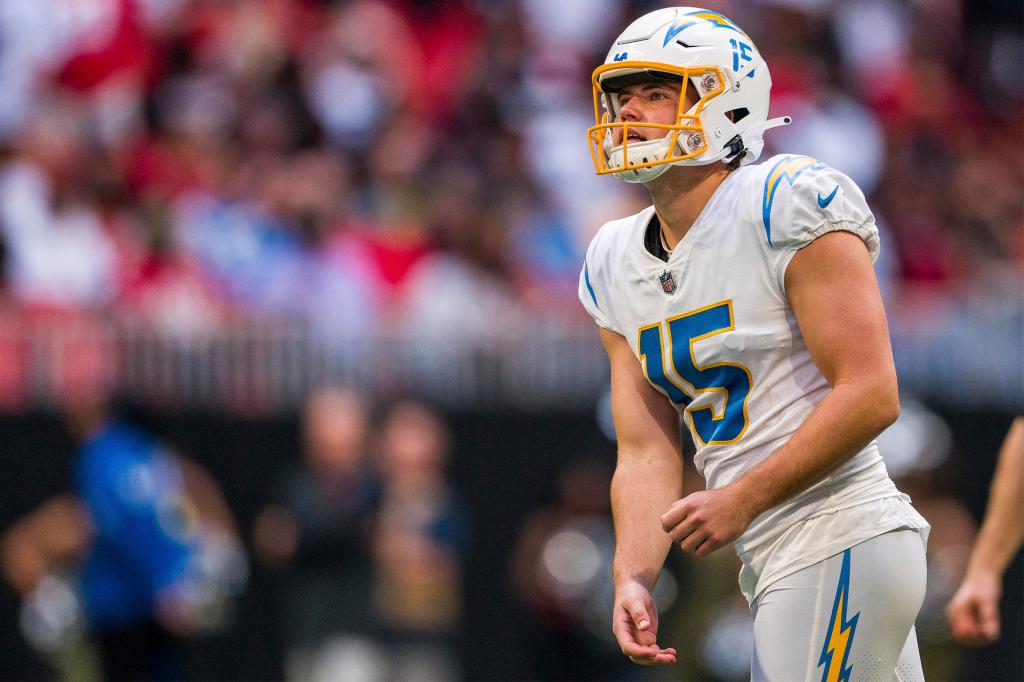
[(711, 424)]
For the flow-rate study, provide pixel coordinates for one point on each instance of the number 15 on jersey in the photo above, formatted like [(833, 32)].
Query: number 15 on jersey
[(678, 375)]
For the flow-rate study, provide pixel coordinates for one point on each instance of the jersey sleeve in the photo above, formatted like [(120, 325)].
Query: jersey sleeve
[(804, 199), (594, 287)]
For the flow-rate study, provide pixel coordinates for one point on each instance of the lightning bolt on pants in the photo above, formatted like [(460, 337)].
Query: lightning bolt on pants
[(849, 617)]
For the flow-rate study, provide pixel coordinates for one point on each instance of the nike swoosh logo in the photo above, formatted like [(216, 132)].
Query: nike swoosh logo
[(827, 200)]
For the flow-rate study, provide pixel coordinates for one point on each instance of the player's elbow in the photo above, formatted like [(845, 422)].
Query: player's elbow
[(874, 398), (883, 404)]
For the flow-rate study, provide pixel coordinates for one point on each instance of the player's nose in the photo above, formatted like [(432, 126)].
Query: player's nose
[(630, 111)]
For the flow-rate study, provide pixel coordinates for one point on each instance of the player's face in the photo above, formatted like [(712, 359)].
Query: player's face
[(648, 103)]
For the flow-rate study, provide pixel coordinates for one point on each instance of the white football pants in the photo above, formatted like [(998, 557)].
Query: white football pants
[(847, 618)]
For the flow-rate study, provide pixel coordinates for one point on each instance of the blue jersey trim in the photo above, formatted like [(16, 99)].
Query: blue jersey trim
[(586, 279)]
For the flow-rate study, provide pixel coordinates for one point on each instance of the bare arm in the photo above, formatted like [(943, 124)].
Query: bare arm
[(204, 491), (1003, 528), (832, 290), (648, 477), (834, 295), (55, 532), (974, 610)]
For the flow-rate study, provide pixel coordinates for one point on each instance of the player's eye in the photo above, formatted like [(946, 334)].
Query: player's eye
[(658, 95)]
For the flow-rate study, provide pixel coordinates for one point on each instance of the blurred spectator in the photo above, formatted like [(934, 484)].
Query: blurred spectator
[(59, 253), (142, 555), (165, 290), (419, 543), (317, 532)]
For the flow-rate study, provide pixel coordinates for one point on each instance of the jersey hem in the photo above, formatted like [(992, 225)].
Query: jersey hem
[(761, 569)]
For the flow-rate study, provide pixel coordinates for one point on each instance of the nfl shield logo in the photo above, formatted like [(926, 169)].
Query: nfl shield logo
[(668, 285)]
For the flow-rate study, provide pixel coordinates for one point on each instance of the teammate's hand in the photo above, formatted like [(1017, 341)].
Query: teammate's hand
[(706, 520), (635, 625), (973, 612)]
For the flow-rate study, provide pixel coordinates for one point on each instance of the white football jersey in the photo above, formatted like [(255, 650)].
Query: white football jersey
[(714, 331)]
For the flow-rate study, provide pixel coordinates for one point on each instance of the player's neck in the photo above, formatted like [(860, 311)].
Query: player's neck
[(681, 194)]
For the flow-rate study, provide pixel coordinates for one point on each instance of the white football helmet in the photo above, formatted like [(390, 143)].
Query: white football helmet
[(694, 46)]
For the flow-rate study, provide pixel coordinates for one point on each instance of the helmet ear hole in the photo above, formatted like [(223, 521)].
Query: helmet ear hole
[(737, 115)]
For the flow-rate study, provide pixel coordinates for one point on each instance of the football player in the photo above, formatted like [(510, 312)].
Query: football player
[(743, 302)]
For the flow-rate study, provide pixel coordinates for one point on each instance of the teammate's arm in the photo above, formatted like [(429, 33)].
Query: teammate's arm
[(974, 610), (648, 477), (832, 289), (56, 532)]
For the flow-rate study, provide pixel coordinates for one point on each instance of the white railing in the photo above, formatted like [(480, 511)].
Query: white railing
[(267, 366)]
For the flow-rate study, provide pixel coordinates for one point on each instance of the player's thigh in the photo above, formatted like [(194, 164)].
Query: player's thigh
[(853, 610)]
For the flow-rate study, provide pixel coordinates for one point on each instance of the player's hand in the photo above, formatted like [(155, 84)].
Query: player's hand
[(973, 612), (635, 625), (706, 520)]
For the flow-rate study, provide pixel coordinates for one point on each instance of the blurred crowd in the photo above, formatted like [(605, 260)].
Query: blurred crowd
[(357, 551), (367, 165), (368, 540), (419, 168), (361, 541)]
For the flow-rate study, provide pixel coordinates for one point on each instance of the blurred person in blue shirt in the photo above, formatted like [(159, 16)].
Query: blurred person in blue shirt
[(142, 554)]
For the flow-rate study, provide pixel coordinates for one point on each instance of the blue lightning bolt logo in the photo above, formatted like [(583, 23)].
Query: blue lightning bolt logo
[(787, 169), (835, 652), (712, 17)]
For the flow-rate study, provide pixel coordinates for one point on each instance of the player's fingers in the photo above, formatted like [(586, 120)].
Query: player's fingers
[(691, 542), (685, 528), (654, 657), (626, 629), (623, 626), (709, 545), (638, 612), (660, 659), (638, 651), (675, 515), (988, 619), (969, 636), (962, 624), (965, 623)]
